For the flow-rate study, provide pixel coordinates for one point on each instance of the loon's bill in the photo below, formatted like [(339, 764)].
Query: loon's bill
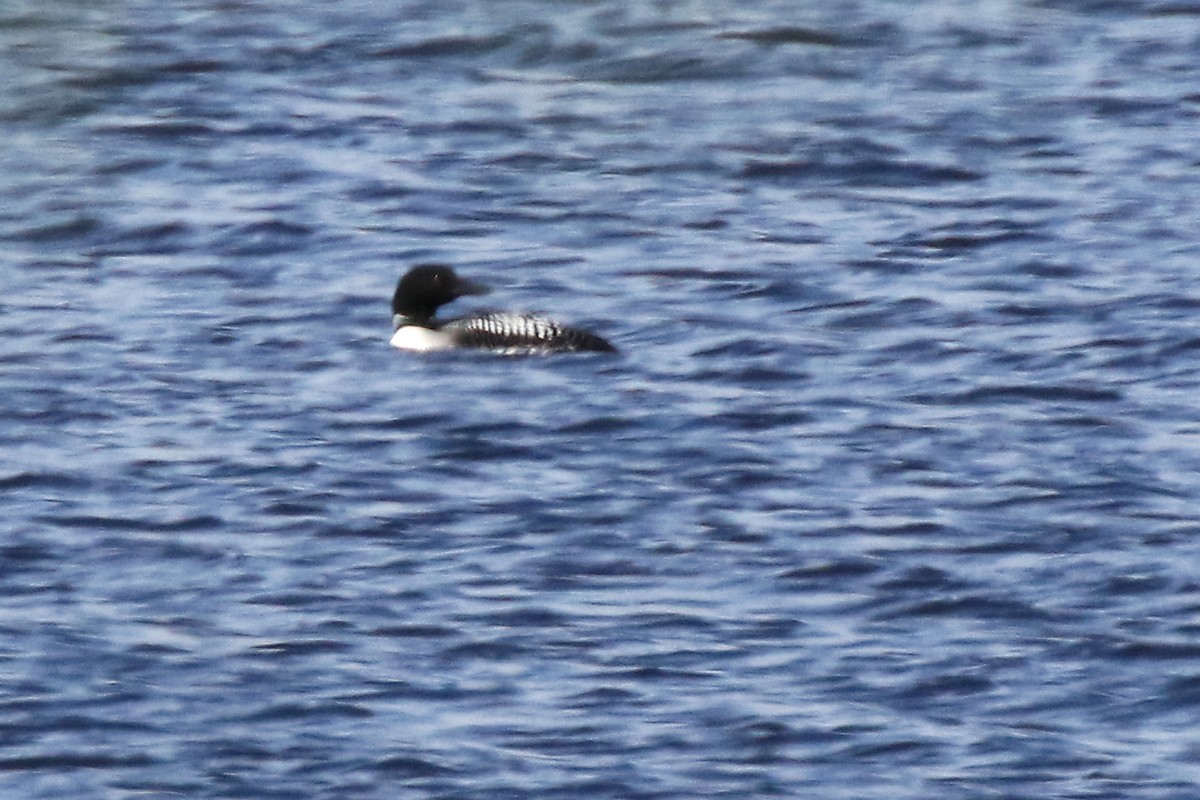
[(427, 287)]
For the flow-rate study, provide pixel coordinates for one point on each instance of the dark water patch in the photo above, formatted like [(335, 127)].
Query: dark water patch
[(105, 523), (1133, 585), (578, 740), (1173, 9), (862, 173), (910, 528), (1181, 692), (42, 480), (87, 334), (293, 508), (128, 166), (81, 723), (776, 629), (935, 689), (785, 35), (107, 80), (1113, 7), (660, 68), (160, 651), (447, 46), (760, 375), (887, 263), (953, 242), (892, 315), (265, 238), (23, 556), (158, 239), (1083, 421), (1053, 270), (745, 347), (164, 788), (376, 189), (831, 572), (898, 750), (709, 224), (974, 606), (375, 529), (565, 572), (526, 617), (490, 126), (297, 649), (527, 160), (1182, 347), (74, 761), (434, 689), (1126, 107), (1002, 394), (471, 449), (664, 622), (296, 599), (494, 650), (922, 579), (605, 697), (310, 712), (1155, 650), (654, 675), (414, 631), (598, 425), (162, 130), (411, 768), (70, 226), (688, 273)]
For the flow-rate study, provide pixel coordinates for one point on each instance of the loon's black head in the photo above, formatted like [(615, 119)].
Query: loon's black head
[(425, 288)]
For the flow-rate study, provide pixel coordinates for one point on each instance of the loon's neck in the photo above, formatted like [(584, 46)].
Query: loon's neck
[(420, 321)]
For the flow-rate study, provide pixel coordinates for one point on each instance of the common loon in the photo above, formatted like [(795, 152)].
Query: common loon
[(426, 287)]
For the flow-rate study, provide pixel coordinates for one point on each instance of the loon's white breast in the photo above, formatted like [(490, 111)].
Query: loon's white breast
[(426, 287), (419, 339)]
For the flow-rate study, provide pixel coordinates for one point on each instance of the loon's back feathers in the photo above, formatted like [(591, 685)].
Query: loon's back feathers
[(426, 287), (522, 333)]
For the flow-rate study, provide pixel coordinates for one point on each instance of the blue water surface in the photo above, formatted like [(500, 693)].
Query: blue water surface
[(893, 491)]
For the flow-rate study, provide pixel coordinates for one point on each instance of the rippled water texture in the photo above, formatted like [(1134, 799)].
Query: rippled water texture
[(892, 492)]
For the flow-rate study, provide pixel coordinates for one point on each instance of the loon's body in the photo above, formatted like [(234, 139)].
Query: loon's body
[(426, 287)]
